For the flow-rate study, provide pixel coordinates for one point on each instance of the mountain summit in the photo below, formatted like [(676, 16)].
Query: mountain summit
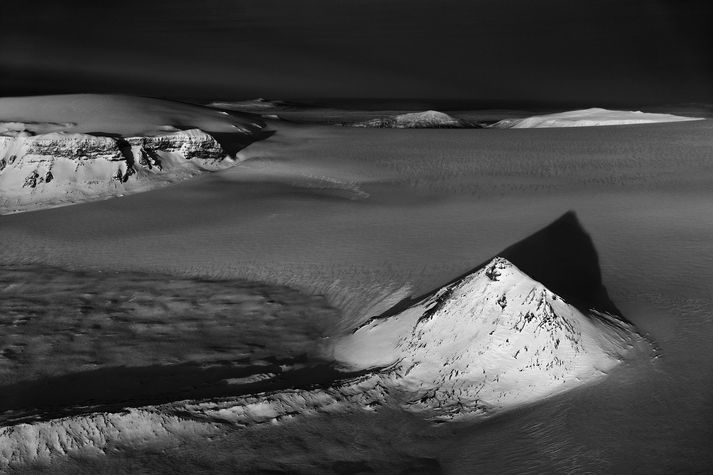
[(58, 150), (492, 340)]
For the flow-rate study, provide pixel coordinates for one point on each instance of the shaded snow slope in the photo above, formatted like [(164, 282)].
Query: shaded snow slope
[(413, 120), (562, 257), (588, 118), (107, 146)]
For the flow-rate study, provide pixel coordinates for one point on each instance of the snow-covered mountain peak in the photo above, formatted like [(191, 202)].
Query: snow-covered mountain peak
[(493, 339), (429, 115)]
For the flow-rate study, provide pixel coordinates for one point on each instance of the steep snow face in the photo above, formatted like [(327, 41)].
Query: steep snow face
[(59, 168), (588, 118), (414, 120), (493, 340)]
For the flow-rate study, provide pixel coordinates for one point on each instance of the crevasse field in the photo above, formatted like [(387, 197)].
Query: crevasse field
[(251, 271)]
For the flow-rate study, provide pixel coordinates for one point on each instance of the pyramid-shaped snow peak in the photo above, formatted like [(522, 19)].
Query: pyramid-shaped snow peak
[(491, 340)]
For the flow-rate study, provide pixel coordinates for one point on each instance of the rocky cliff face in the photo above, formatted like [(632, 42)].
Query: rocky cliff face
[(57, 167), (190, 144), (48, 147)]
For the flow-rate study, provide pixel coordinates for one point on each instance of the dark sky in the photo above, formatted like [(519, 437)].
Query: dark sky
[(596, 52)]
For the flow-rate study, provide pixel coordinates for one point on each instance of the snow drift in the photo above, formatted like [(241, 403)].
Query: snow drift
[(588, 118)]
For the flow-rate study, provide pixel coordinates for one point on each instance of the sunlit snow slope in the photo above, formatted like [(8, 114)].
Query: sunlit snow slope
[(491, 340), (588, 118)]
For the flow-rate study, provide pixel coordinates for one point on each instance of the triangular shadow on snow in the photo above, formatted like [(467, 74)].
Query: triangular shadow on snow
[(561, 256)]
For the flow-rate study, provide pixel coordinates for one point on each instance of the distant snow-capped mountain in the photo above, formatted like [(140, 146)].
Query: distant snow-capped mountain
[(588, 118), (492, 340), (414, 120)]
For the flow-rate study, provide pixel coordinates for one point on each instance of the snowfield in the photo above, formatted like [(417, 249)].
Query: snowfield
[(491, 341), (165, 330), (588, 118)]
